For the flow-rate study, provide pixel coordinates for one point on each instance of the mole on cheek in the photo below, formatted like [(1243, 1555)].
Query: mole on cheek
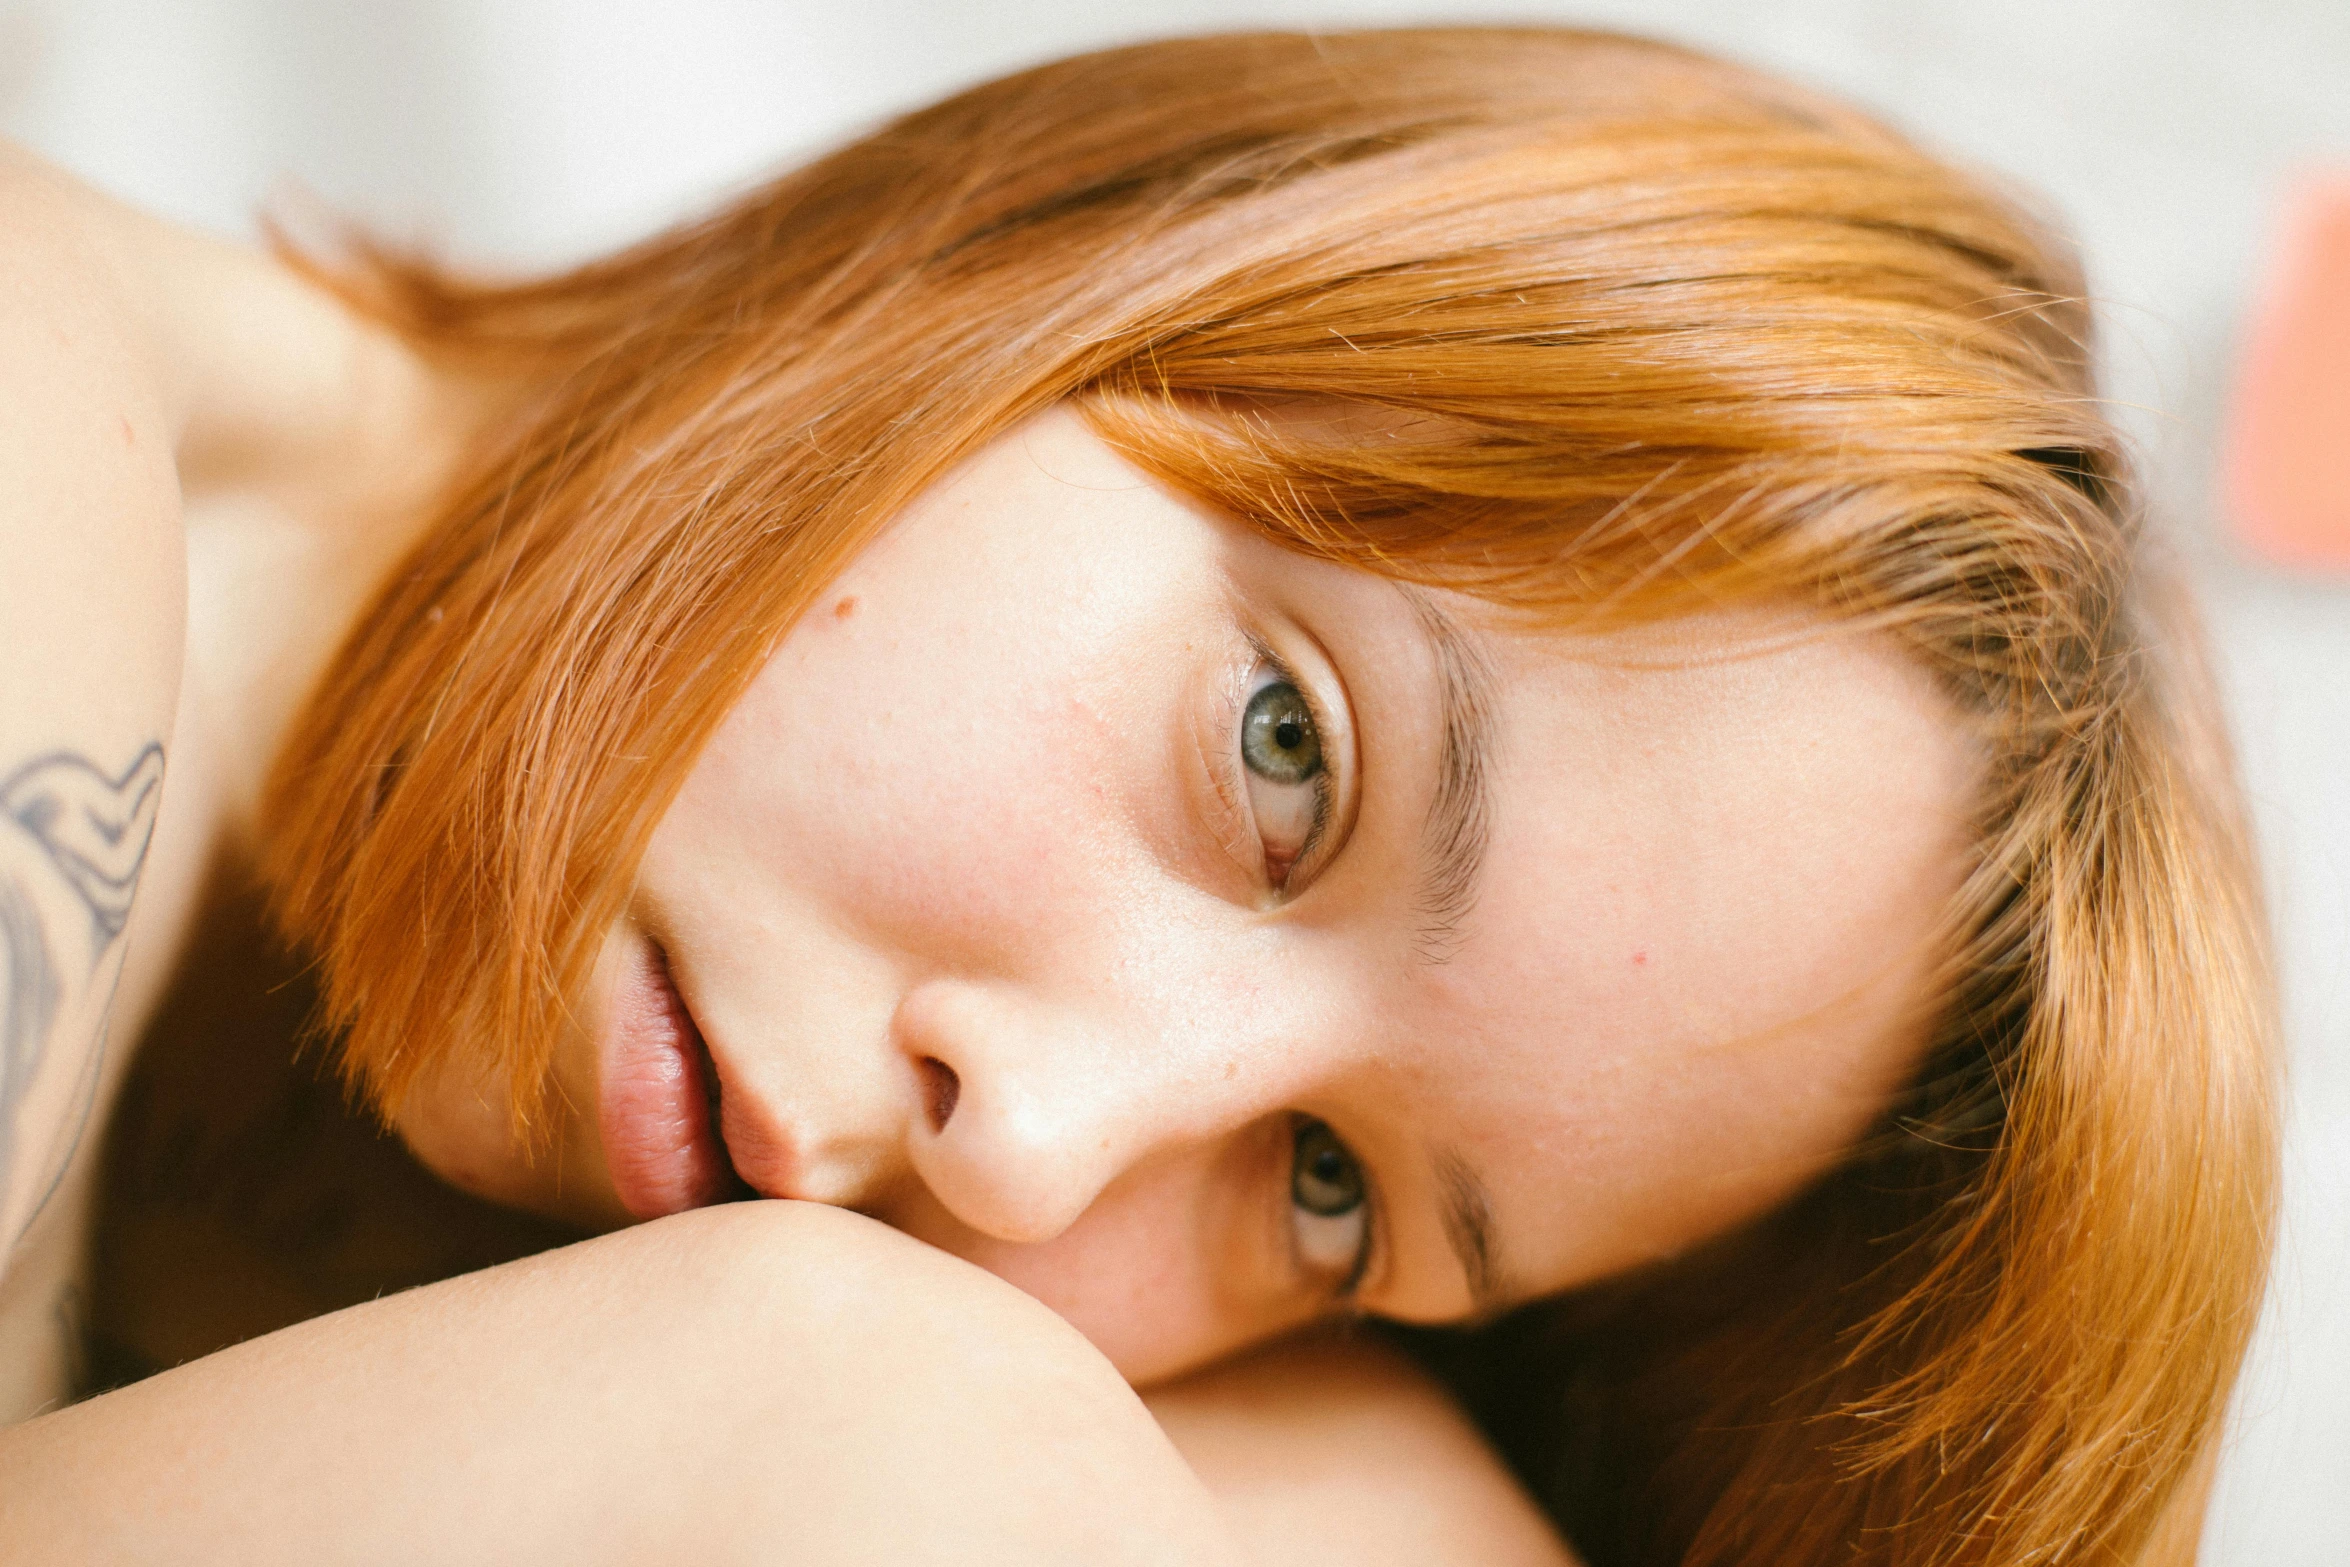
[(845, 608)]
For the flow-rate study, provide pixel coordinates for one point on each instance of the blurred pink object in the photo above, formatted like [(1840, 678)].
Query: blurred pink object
[(2287, 474)]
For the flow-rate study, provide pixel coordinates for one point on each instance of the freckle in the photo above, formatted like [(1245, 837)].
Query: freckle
[(1231, 1070), (1640, 959), (845, 608)]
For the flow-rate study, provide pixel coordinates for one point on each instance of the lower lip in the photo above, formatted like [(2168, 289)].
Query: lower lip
[(660, 1140)]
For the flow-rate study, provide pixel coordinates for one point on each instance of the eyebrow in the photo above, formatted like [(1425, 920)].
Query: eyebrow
[(1460, 815), (1468, 1229)]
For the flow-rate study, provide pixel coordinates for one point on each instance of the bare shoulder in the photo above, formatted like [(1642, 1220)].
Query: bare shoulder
[(85, 450), (93, 599), (1339, 1448), (92, 614)]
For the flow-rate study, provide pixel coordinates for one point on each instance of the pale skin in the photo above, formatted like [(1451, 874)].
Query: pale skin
[(986, 821)]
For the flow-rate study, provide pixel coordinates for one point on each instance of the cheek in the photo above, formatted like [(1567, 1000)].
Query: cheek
[(457, 1121), (1159, 1273), (461, 1135), (853, 773), (1145, 1304)]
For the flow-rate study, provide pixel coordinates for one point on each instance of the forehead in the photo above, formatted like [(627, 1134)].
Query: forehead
[(1701, 949)]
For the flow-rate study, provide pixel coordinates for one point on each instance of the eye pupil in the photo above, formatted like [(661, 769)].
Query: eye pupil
[(1324, 1178), (1277, 738)]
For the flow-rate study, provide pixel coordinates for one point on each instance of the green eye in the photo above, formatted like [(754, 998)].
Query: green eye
[(1283, 773), (1324, 1178), (1278, 741)]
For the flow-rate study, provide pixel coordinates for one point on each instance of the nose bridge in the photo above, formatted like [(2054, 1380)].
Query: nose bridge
[(1056, 1091)]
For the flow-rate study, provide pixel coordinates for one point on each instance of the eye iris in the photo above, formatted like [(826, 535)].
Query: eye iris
[(1323, 1177), (1277, 738)]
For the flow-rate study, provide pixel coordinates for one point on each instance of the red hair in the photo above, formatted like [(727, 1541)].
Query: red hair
[(1666, 332)]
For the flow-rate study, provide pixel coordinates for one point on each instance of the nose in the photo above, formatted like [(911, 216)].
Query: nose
[(1028, 1109)]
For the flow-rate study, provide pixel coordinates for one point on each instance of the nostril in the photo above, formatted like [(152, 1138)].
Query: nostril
[(940, 1089)]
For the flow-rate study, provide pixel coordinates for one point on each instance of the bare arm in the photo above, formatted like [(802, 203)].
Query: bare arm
[(768, 1382), (92, 610), (1341, 1450)]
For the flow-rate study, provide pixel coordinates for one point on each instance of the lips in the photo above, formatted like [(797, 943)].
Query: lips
[(658, 1104)]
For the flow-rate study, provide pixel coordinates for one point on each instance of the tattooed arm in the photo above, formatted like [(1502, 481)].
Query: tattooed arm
[(93, 610), (73, 840)]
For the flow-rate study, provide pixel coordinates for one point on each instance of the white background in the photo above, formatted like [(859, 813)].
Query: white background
[(518, 133)]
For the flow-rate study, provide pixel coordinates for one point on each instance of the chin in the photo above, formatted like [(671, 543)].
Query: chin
[(462, 1130)]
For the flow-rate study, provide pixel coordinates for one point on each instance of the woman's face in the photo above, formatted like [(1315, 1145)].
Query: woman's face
[(1209, 939)]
